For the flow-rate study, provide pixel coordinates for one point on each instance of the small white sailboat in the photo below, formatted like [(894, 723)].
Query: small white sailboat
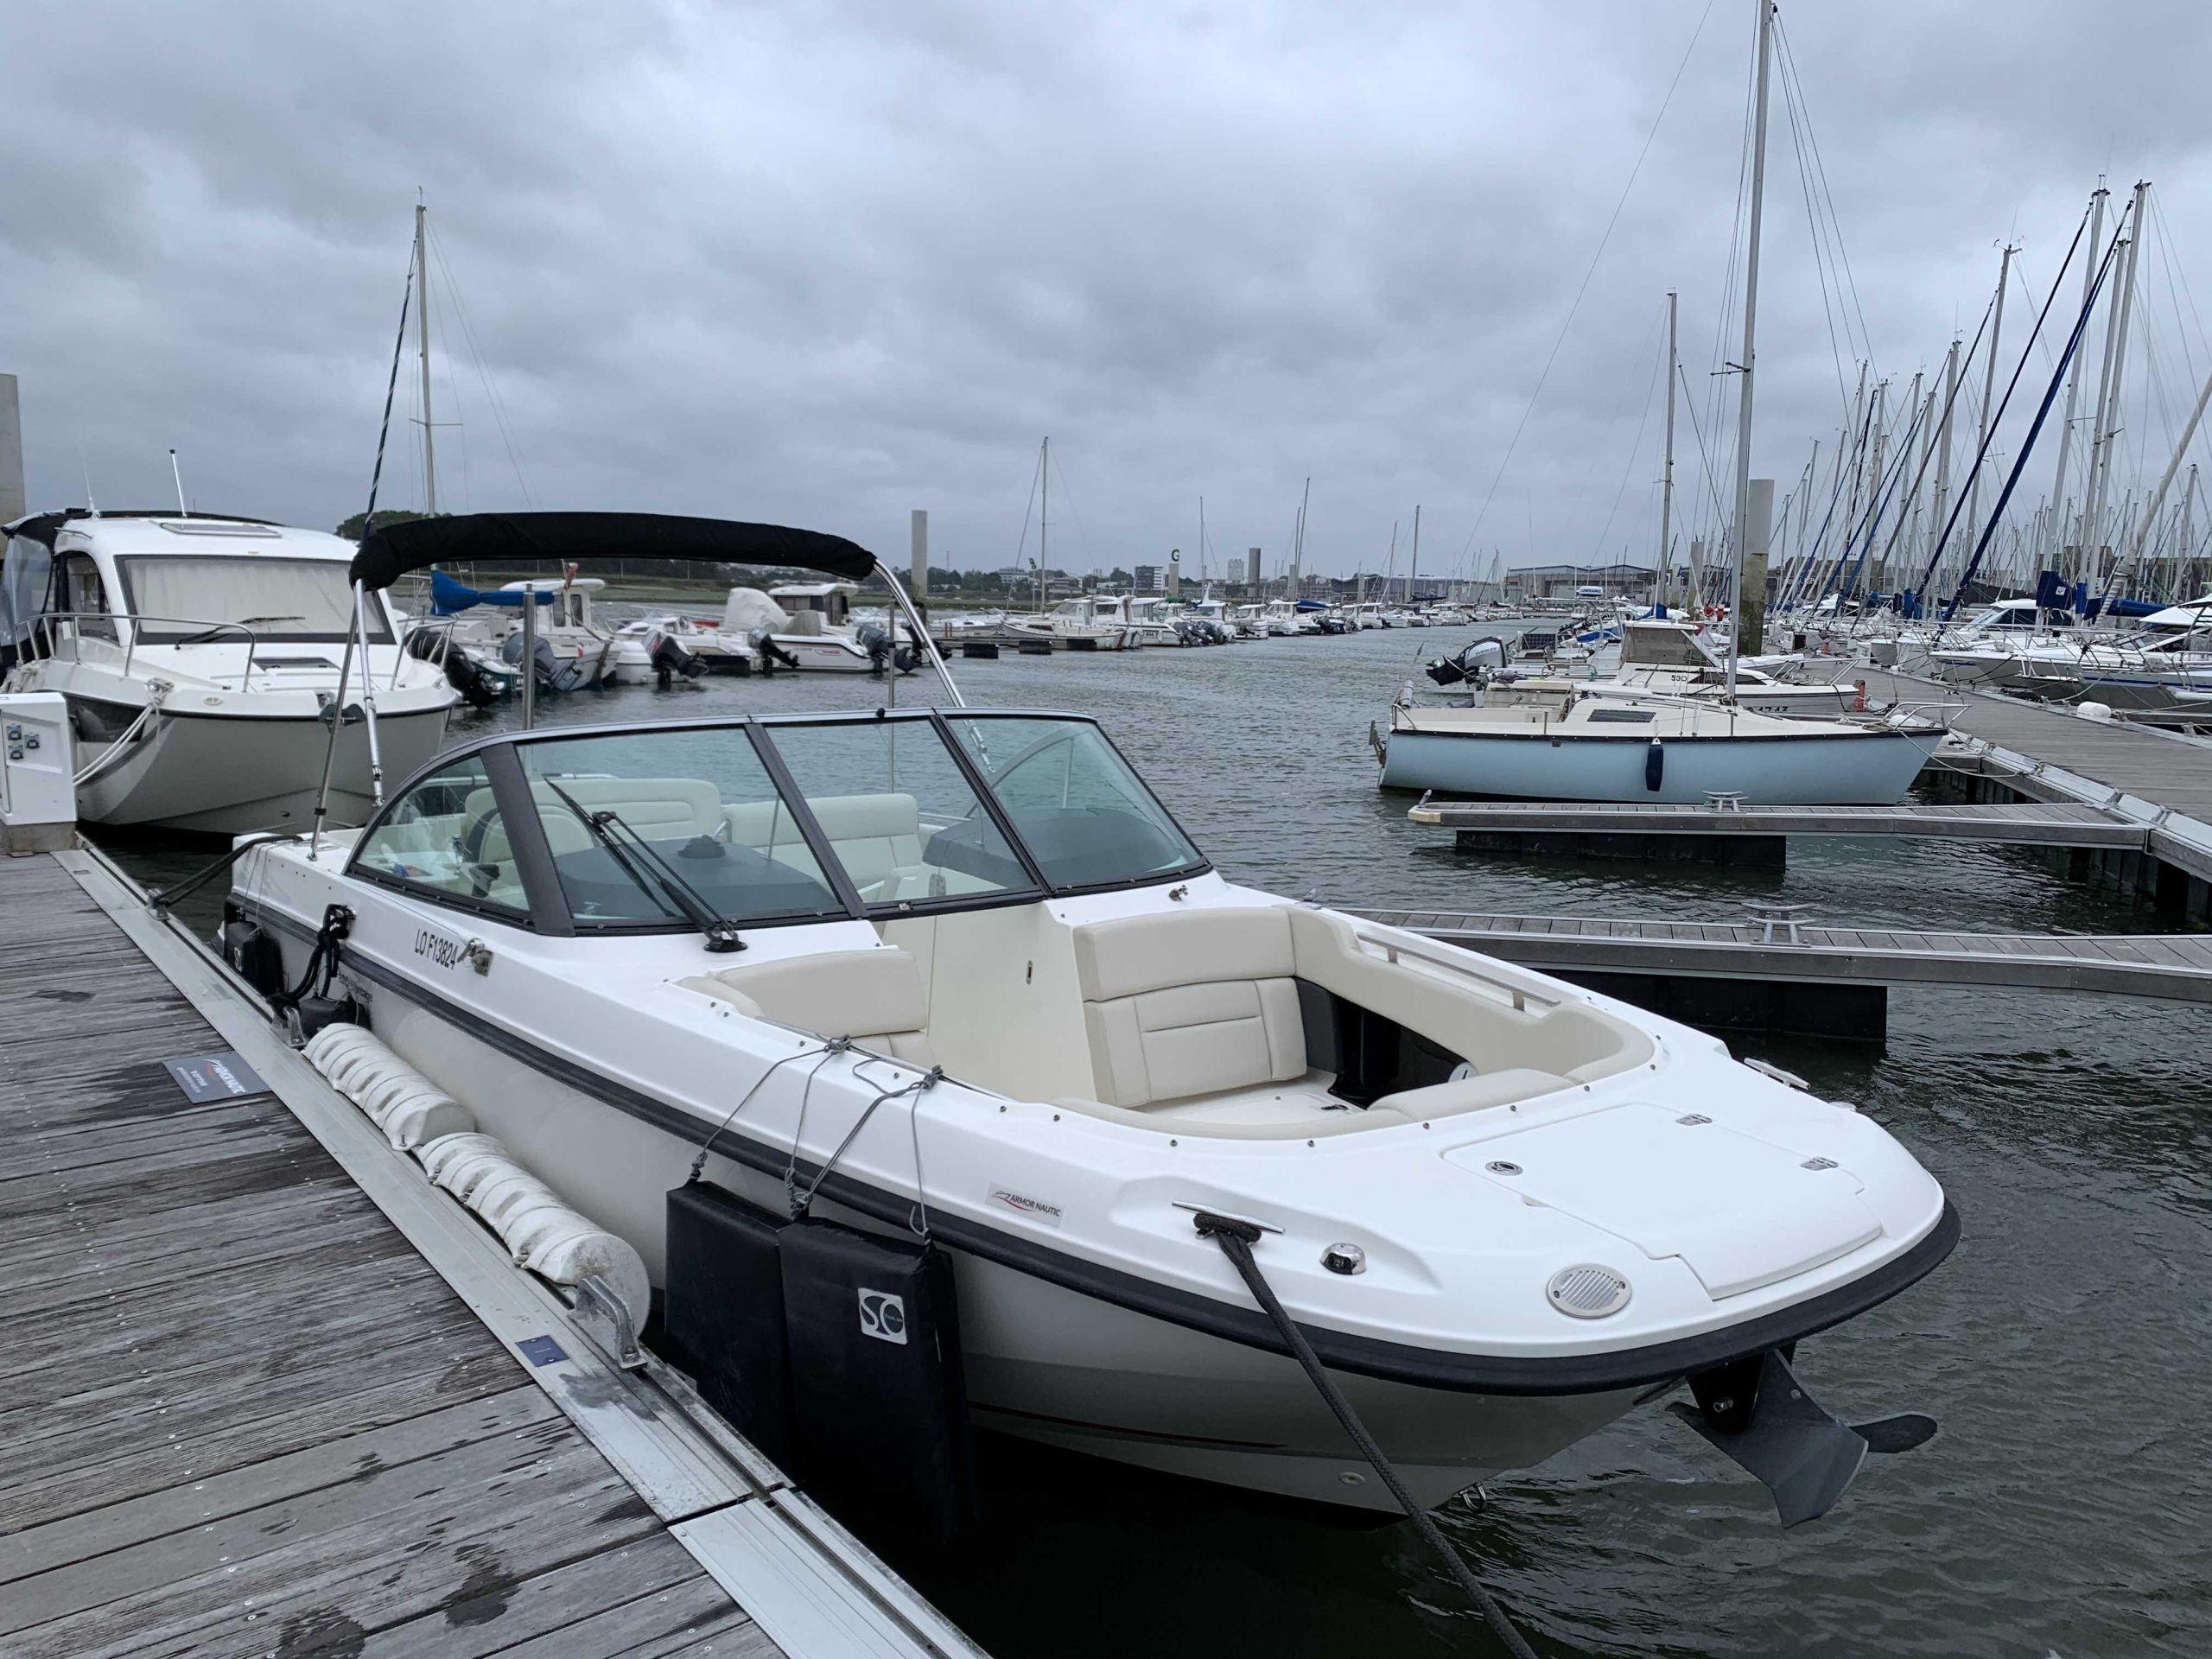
[(1571, 744), (1634, 745)]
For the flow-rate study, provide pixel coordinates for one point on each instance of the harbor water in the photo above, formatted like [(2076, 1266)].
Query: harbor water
[(2066, 1507)]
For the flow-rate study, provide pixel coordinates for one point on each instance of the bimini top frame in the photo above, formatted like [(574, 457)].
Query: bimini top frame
[(389, 552)]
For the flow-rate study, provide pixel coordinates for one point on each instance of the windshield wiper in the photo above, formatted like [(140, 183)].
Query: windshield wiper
[(651, 872)]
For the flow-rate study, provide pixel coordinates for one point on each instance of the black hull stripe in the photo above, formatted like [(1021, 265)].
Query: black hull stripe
[(1392, 1362)]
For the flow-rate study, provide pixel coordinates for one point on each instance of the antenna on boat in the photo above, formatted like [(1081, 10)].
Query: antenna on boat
[(176, 473), (91, 507)]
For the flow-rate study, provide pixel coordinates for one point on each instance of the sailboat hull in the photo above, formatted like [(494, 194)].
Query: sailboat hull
[(1859, 768)]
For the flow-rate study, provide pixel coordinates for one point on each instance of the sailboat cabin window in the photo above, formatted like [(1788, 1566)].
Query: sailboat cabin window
[(1620, 716)]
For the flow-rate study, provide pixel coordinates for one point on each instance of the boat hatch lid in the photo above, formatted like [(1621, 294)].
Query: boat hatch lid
[(1738, 1212)]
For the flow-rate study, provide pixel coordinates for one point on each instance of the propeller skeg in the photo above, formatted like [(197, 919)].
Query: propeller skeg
[(1757, 1412)]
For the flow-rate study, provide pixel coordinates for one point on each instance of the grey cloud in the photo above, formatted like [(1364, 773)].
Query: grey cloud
[(823, 262)]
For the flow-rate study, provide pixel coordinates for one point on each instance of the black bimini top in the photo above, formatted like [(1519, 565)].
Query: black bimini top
[(389, 552)]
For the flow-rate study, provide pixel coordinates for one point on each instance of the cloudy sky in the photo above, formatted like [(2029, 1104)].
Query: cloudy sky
[(821, 264)]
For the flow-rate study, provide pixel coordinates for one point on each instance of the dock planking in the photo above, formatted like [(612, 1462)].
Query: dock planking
[(239, 1415), (2156, 766)]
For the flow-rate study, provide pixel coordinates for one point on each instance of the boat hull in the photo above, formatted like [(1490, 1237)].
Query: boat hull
[(242, 774), (1869, 768), (1042, 1362)]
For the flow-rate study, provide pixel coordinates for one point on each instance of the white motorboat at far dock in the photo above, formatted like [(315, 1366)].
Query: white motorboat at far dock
[(1503, 1210)]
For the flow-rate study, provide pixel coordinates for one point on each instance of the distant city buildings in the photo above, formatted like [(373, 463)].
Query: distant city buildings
[(1150, 579)]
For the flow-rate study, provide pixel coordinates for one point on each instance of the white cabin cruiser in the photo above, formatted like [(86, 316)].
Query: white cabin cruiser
[(1083, 624), (204, 660), (940, 973)]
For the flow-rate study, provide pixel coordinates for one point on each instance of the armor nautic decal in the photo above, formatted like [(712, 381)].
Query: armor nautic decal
[(1035, 1208)]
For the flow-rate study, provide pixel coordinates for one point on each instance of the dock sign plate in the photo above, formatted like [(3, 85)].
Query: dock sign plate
[(215, 1076)]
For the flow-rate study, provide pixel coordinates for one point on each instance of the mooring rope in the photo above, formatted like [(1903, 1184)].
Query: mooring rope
[(1236, 1239)]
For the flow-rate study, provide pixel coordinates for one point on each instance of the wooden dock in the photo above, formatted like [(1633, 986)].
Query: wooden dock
[(2033, 823), (242, 1412), (2177, 967)]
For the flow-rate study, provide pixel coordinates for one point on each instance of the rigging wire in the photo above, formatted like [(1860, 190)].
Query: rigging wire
[(1628, 467), (490, 388), (1529, 409)]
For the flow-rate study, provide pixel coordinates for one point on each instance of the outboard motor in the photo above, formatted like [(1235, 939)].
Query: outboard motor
[(670, 659), (462, 672), (883, 650), (555, 671), (1475, 664)]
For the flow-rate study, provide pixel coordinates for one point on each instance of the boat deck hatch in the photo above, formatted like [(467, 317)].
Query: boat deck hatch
[(1740, 1212)]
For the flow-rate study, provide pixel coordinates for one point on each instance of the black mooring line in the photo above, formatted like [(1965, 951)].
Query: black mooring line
[(1236, 1239)]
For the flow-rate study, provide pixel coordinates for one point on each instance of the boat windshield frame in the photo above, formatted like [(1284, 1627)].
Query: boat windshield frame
[(547, 910)]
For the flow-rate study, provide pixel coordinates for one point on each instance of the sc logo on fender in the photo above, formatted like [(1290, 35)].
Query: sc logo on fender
[(883, 1316)]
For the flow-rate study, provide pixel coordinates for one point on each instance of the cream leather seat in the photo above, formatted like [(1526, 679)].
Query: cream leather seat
[(1191, 1002), (875, 997), (877, 837)]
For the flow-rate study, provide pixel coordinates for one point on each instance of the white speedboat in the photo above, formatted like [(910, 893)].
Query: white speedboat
[(1569, 745), (204, 663), (822, 635), (944, 974)]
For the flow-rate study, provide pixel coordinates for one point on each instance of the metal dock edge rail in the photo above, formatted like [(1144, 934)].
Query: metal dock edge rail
[(176, 1269)]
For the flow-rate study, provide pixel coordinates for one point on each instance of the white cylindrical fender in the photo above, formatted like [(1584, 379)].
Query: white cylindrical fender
[(407, 1106), (542, 1232)]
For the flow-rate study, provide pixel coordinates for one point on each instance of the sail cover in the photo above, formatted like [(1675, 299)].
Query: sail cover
[(392, 550)]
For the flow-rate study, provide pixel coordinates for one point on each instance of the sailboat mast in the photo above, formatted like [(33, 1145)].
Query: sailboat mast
[(422, 343), (1667, 477), (1044, 512), (2097, 199), (1751, 338), (1988, 402), (1413, 570), (2093, 543)]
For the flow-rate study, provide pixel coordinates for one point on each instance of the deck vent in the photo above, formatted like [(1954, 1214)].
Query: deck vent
[(1818, 1163), (1692, 1119), (1587, 1292)]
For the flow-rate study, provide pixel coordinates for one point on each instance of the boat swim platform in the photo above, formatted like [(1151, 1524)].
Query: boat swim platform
[(1793, 975), (266, 1391)]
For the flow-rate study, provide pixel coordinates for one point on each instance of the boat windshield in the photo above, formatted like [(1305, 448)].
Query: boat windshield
[(794, 820), (629, 816), (1083, 815), (182, 595)]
